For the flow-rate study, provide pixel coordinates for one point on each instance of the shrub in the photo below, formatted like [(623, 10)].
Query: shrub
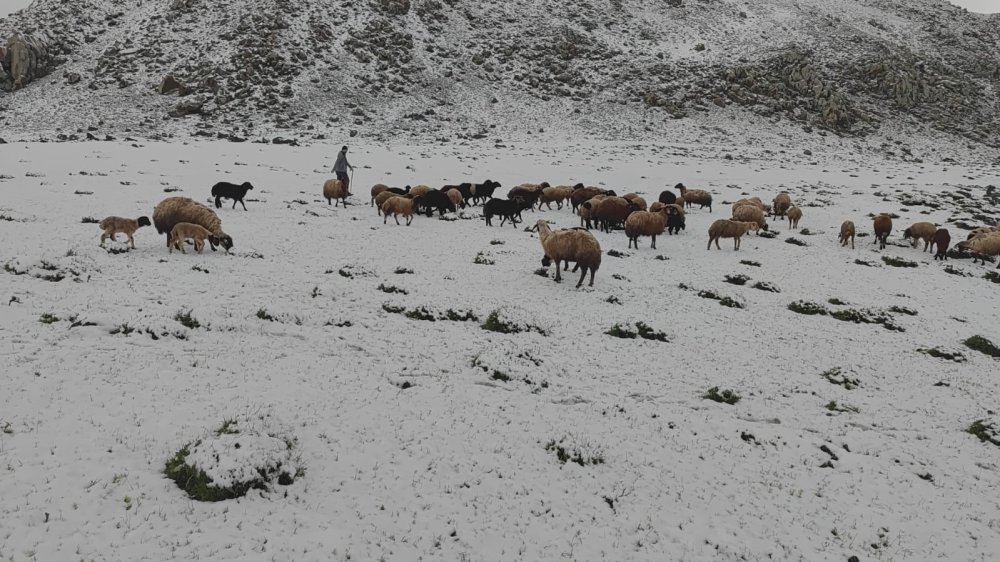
[(864, 263), (992, 276), (89, 220), (955, 271), (564, 453), (768, 234), (750, 263), (738, 279), (834, 376), (982, 345), (48, 318), (483, 259), (898, 262), (647, 333), (836, 302), (393, 309), (726, 396), (542, 272), (955, 356), (795, 241), (263, 315), (867, 317), (403, 271), (724, 301), (500, 376), (419, 313), (834, 407), (500, 320), (123, 329), (616, 254), (456, 316), (186, 320), (986, 432), (391, 289), (902, 310), (619, 331), (808, 308)]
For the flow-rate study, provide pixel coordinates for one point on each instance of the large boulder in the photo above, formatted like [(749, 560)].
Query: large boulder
[(171, 85), (25, 58)]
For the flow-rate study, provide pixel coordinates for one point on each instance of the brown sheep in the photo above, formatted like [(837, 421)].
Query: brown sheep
[(570, 245), (942, 239), (173, 210), (113, 225), (555, 195), (610, 212), (920, 231), (981, 247), (756, 202), (419, 190), (638, 202), (782, 202), (750, 213), (376, 189), (381, 198), (724, 228), (847, 231), (693, 196), (398, 206), (883, 226), (455, 196), (644, 223), (186, 231), (584, 194), (335, 189), (794, 214), (585, 212)]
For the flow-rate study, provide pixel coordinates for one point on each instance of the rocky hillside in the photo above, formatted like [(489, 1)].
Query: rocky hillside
[(242, 68)]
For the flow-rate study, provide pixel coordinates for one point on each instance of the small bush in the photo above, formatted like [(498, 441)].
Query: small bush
[(955, 356), (499, 321), (542, 272), (263, 315), (613, 300), (623, 332), (902, 310), (344, 272), (403, 271), (496, 242), (393, 309), (48, 318), (768, 234), (724, 301), (483, 259), (750, 263), (992, 276), (726, 396), (836, 302), (795, 241), (500, 376), (955, 271), (420, 313), (738, 279), (186, 320), (808, 308), (89, 220), (765, 286), (834, 407), (865, 263), (982, 345), (568, 453), (123, 329), (867, 317), (834, 376), (391, 289), (616, 254), (898, 262), (647, 333), (457, 316), (986, 432)]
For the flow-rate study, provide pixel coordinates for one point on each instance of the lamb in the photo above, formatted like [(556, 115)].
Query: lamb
[(920, 231), (184, 231), (481, 192), (692, 196), (570, 245), (782, 202), (981, 247), (610, 212), (644, 223), (226, 190), (638, 202), (376, 189), (434, 199), (506, 209), (847, 231), (724, 228), (173, 210), (455, 196), (113, 225), (335, 189), (750, 213), (399, 205), (883, 226), (555, 195), (942, 239), (794, 215)]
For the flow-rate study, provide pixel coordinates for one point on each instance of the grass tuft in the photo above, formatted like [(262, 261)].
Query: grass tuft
[(982, 345), (186, 320), (48, 318), (795, 241), (726, 396), (898, 262), (738, 279), (808, 308), (956, 356), (264, 315), (986, 432), (750, 263), (834, 376)]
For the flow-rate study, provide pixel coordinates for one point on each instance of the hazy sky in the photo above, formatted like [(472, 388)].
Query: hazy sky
[(8, 6)]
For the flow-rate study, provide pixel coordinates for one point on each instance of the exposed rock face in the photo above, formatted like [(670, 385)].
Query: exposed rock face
[(25, 58)]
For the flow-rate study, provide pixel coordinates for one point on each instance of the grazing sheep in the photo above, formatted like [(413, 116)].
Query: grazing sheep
[(942, 239), (376, 189), (693, 196), (434, 199), (335, 189), (455, 196), (724, 228), (610, 212), (506, 209), (419, 190), (555, 195), (755, 201), (580, 196), (794, 215), (644, 223), (529, 191), (113, 225), (919, 231), (847, 231), (399, 205), (750, 213), (174, 210), (481, 192), (981, 247), (638, 202), (883, 226), (186, 231), (782, 202), (381, 198), (667, 197), (570, 245), (585, 212), (226, 190)]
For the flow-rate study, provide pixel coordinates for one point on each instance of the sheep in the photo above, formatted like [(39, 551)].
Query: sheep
[(920, 231), (376, 189), (782, 202), (183, 231), (794, 215), (724, 228), (335, 189), (226, 190), (580, 196), (981, 247), (750, 213), (692, 196), (481, 192), (419, 190), (529, 191), (585, 212), (555, 195), (942, 239), (883, 226), (570, 245), (381, 198), (754, 201), (982, 231), (465, 189), (667, 197), (610, 212), (113, 225), (638, 202), (434, 199), (399, 190), (396, 206), (675, 219), (644, 223), (506, 209), (173, 210), (847, 231), (455, 196)]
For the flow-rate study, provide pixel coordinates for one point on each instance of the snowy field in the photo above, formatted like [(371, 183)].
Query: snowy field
[(427, 440)]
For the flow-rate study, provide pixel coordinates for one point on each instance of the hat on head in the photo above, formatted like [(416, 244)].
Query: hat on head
[(343, 149)]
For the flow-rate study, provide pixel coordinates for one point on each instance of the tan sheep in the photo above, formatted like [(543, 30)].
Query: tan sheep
[(724, 228), (847, 231), (570, 245), (376, 189), (981, 247), (644, 223), (381, 198), (398, 206), (335, 189), (455, 196), (782, 202), (755, 201), (113, 225), (610, 212), (983, 231), (883, 226), (695, 196), (586, 212), (186, 231), (173, 210), (794, 214), (920, 231), (584, 194), (750, 213), (555, 195), (638, 202), (419, 190)]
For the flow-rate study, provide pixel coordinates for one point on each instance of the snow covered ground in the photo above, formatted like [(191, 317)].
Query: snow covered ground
[(413, 444)]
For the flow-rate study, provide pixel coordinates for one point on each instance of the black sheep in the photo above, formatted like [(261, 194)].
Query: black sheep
[(675, 222), (481, 192), (464, 188), (942, 238), (226, 190), (668, 197), (434, 199), (507, 209), (399, 191)]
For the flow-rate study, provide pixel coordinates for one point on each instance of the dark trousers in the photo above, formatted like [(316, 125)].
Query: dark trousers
[(342, 176)]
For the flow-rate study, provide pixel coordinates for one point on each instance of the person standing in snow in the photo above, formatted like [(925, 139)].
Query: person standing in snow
[(340, 168)]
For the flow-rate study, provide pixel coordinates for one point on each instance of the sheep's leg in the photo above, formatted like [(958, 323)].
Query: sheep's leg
[(409, 219), (396, 218), (582, 275), (199, 245), (709, 243), (242, 203), (558, 270), (131, 241), (593, 270), (218, 201), (653, 245), (386, 218), (104, 236)]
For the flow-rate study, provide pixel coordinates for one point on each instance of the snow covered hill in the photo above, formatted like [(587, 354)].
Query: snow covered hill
[(446, 68)]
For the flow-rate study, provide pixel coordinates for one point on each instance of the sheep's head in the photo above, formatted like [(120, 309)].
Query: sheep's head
[(546, 261), (680, 187), (578, 186), (610, 193), (764, 227), (143, 221), (225, 240), (908, 233), (246, 185)]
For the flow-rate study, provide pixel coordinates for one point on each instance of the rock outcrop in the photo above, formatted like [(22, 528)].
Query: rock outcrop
[(24, 59)]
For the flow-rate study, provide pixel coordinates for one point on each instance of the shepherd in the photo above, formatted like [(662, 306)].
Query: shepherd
[(340, 168)]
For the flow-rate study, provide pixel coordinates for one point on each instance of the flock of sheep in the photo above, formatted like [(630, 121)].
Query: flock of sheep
[(183, 219)]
